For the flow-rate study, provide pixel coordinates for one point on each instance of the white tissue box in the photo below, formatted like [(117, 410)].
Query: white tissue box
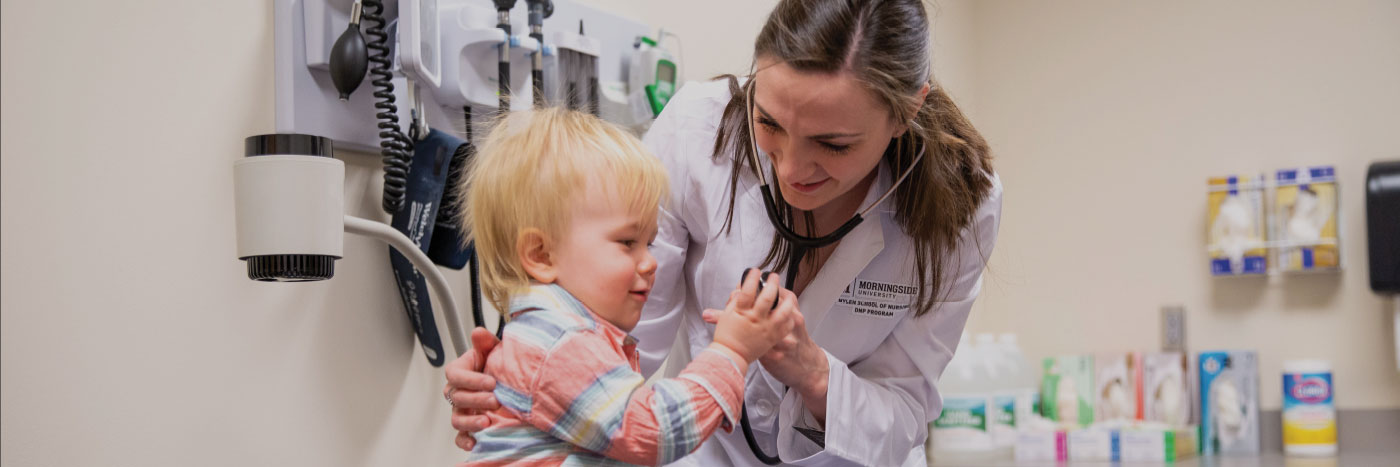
[(1157, 444), (1093, 444), (1041, 445)]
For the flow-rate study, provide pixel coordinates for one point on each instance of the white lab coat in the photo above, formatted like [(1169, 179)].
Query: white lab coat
[(884, 362)]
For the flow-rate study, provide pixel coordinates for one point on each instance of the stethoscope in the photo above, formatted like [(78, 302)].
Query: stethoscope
[(801, 244)]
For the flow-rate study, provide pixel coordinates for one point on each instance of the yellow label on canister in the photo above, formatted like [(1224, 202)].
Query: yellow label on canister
[(1308, 414), (1324, 432)]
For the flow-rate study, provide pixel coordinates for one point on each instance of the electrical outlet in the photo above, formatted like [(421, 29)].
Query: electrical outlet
[(1173, 328)]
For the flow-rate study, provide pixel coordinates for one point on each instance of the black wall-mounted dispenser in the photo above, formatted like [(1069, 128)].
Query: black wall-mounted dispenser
[(1383, 225)]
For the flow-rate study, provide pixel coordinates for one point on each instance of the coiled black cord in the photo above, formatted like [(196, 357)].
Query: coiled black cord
[(451, 209), (395, 147)]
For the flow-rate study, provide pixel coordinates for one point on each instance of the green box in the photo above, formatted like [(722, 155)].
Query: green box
[(1067, 390)]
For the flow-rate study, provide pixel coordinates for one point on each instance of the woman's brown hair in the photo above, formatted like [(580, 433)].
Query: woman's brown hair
[(885, 45)]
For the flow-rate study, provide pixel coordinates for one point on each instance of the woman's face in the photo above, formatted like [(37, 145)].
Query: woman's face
[(824, 133)]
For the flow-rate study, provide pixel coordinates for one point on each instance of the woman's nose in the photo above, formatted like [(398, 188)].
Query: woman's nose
[(790, 166)]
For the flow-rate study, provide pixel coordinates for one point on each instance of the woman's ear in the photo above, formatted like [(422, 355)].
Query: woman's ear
[(536, 255), (919, 98)]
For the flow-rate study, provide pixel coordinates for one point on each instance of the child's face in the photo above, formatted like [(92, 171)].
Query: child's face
[(603, 259)]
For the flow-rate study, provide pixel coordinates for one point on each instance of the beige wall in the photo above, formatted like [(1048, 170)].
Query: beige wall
[(954, 60), (130, 335), (1107, 117)]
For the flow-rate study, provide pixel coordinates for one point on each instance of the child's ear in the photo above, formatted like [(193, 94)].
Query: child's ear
[(535, 249)]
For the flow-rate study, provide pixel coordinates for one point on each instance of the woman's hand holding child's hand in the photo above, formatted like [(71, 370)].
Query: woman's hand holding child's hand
[(753, 321)]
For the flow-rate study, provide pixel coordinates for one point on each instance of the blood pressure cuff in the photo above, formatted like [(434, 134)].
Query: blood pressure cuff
[(448, 247), (427, 176)]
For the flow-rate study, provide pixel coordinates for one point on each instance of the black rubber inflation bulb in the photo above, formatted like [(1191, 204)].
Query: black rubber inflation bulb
[(349, 58)]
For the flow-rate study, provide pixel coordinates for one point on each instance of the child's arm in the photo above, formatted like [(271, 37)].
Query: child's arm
[(589, 396), (579, 388)]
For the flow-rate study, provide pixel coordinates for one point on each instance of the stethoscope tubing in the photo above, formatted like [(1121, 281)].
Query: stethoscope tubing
[(801, 245)]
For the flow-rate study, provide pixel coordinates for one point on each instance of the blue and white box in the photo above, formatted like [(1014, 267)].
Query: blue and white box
[(1229, 402)]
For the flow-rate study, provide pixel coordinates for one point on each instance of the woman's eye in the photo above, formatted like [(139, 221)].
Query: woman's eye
[(768, 126), (627, 243), (836, 148)]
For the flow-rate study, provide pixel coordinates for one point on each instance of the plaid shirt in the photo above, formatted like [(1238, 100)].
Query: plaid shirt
[(571, 393)]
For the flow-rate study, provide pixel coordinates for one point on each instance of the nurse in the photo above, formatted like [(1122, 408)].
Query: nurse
[(843, 110)]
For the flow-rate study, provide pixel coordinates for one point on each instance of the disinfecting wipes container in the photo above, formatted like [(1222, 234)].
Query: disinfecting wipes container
[(1309, 416)]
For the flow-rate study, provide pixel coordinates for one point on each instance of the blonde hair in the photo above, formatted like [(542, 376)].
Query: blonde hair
[(531, 170)]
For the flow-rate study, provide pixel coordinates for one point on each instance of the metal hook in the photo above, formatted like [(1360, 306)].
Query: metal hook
[(418, 130)]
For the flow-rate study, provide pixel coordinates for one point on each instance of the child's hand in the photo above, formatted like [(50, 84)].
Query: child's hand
[(751, 323)]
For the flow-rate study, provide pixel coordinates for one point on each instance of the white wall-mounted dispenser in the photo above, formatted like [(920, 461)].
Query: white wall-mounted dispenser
[(289, 210), (289, 205)]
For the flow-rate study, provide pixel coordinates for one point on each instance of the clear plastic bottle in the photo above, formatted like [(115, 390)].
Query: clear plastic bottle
[(960, 434), (1000, 373), (1025, 381)]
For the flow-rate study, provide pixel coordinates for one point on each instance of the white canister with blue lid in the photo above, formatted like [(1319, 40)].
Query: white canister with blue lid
[(1309, 414)]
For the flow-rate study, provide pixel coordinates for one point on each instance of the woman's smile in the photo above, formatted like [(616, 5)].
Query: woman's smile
[(809, 187)]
